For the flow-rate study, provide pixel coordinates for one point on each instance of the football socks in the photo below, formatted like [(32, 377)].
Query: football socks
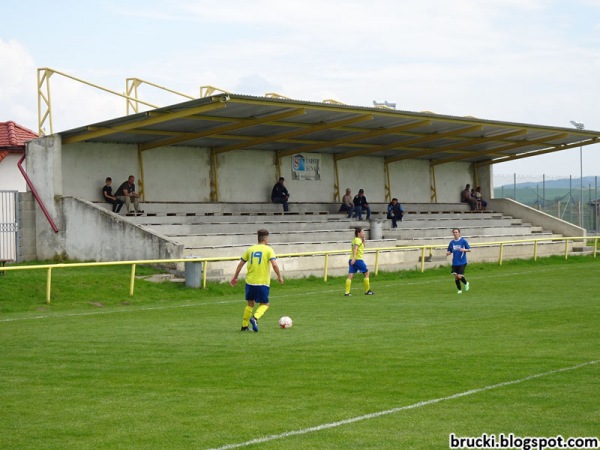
[(247, 315), (262, 308)]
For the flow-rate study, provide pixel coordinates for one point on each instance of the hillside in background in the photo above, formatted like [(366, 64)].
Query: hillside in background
[(563, 183), (550, 191)]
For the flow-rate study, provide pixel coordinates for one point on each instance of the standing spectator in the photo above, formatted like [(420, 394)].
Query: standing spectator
[(280, 194), (347, 204), (361, 204), (395, 212), (109, 197), (466, 197), (127, 194), (357, 264), (458, 248), (260, 258)]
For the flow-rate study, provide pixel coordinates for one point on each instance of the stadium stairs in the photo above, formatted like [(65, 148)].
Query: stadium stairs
[(227, 229)]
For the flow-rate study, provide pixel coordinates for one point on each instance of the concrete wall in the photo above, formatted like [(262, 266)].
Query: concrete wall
[(249, 176), (86, 166), (410, 181), (527, 214), (362, 172), (485, 178), (100, 235), (184, 174), (174, 173), (26, 245), (44, 168)]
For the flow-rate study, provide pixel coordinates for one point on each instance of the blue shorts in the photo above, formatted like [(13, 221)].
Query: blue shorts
[(258, 293), (358, 266), (459, 270)]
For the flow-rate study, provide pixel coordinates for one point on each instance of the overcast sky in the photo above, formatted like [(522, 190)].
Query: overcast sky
[(533, 61)]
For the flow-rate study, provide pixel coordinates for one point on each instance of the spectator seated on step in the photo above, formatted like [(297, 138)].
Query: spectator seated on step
[(347, 204), (395, 212), (466, 197), (280, 194)]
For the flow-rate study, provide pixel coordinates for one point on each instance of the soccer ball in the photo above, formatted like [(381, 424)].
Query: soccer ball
[(285, 322)]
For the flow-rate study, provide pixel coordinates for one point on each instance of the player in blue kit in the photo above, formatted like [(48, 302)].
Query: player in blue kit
[(458, 248)]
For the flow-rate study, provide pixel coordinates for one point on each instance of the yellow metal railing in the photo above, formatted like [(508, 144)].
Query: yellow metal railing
[(326, 254)]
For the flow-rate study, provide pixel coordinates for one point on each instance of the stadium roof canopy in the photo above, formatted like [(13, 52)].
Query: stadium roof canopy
[(227, 122)]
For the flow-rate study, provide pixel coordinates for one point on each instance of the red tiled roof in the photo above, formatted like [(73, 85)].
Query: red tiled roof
[(14, 136)]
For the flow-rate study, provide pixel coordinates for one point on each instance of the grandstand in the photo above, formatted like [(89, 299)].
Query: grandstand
[(225, 229), (205, 169)]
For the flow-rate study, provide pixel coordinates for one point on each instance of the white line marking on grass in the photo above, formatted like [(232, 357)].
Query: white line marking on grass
[(399, 409)]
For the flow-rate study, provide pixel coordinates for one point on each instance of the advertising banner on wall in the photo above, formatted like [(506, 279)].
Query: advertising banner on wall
[(307, 168)]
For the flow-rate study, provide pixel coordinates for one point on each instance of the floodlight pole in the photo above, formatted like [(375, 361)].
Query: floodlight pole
[(580, 126), (581, 187)]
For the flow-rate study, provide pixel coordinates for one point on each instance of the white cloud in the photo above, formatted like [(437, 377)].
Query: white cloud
[(18, 82)]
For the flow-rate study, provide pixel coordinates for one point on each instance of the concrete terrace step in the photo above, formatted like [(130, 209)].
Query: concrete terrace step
[(227, 218), (429, 232), (249, 228), (182, 208), (234, 213), (283, 248), (220, 208), (422, 208), (454, 222), (300, 237), (312, 216), (421, 217), (473, 238)]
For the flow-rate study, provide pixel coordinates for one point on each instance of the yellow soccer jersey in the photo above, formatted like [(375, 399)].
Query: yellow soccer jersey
[(258, 259), (361, 248)]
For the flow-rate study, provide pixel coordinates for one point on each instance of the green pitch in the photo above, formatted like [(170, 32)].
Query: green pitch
[(169, 369)]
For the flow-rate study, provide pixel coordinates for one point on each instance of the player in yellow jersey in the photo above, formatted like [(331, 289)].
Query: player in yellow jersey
[(260, 258), (356, 263)]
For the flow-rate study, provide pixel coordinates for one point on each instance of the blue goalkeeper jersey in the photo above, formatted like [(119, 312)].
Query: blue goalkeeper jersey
[(458, 258)]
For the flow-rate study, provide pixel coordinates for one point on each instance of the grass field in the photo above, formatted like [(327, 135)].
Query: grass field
[(169, 369)]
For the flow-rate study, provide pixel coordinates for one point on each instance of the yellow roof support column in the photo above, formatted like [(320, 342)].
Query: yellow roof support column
[(388, 185), (214, 176), (277, 162), (141, 180), (433, 186), (475, 175), (336, 186)]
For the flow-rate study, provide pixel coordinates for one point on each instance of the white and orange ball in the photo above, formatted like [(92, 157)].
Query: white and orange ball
[(285, 322)]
